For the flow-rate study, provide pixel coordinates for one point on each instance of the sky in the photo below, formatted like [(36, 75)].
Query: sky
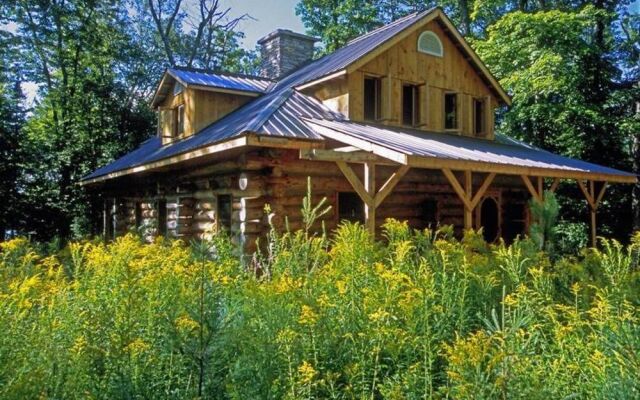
[(268, 15)]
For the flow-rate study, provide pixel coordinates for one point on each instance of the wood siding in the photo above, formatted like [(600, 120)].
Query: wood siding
[(202, 107), (403, 64)]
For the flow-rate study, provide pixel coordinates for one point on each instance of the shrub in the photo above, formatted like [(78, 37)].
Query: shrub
[(417, 315)]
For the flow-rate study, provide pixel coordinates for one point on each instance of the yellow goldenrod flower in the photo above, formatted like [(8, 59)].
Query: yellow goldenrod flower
[(307, 373)]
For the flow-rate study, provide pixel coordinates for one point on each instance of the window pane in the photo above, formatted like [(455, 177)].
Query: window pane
[(180, 120), (372, 103), (409, 106), (224, 212), (350, 207), (479, 124), (450, 111)]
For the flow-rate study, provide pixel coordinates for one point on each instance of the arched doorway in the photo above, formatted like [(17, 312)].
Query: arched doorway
[(489, 219)]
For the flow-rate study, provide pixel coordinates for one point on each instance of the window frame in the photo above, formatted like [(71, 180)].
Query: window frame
[(415, 98), (457, 111), (178, 120), (220, 226), (339, 213), (427, 51), (377, 101), (484, 131)]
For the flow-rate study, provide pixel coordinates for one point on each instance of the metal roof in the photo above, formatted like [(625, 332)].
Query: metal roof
[(251, 85), (443, 146), (275, 114), (351, 52), (221, 80), (281, 111)]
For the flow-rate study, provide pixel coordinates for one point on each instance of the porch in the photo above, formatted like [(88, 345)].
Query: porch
[(469, 165)]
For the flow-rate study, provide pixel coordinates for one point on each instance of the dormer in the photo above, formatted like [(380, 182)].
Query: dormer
[(425, 78), (187, 100)]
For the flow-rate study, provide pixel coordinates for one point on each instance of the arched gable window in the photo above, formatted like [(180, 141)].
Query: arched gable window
[(429, 43)]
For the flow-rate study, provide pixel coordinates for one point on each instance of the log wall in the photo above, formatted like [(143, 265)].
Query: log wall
[(267, 188)]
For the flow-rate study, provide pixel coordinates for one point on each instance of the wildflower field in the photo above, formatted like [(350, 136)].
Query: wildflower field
[(418, 315)]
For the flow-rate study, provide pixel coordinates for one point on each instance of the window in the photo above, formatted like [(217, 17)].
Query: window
[(479, 117), (450, 111), (372, 101), (224, 212), (410, 105), (350, 207), (138, 214), (490, 219), (430, 213), (179, 120), (162, 217), (429, 43)]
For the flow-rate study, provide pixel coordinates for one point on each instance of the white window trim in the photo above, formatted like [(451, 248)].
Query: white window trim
[(433, 53)]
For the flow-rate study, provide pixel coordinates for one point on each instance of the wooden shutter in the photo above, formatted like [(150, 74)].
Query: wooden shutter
[(424, 104)]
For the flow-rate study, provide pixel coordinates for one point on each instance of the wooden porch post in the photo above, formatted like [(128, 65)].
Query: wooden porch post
[(468, 208), (367, 191), (469, 200), (370, 188), (593, 200)]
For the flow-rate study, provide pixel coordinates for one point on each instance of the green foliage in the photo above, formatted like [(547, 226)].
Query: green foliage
[(420, 315), (545, 216), (95, 65)]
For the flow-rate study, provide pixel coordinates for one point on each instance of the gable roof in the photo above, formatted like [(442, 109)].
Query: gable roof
[(280, 110), (211, 80), (364, 48)]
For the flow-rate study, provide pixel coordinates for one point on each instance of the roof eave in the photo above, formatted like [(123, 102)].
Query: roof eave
[(245, 139)]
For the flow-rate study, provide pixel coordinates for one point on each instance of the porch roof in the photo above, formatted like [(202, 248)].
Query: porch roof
[(422, 149)]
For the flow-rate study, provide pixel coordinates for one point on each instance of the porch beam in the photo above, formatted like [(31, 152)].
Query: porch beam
[(391, 183), (594, 197), (354, 181), (535, 193), (341, 154), (482, 190), (469, 200), (367, 190), (554, 185)]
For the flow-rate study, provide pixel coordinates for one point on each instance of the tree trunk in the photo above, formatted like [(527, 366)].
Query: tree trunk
[(465, 18)]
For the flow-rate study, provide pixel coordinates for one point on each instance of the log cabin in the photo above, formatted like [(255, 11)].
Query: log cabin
[(397, 123)]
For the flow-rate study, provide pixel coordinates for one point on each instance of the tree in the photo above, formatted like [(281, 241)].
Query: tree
[(567, 94), (11, 120), (97, 64)]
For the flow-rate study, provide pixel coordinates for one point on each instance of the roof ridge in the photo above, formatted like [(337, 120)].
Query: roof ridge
[(220, 72), (382, 28)]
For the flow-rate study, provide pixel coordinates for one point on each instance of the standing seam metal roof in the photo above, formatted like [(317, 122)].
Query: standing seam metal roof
[(503, 150), (221, 80)]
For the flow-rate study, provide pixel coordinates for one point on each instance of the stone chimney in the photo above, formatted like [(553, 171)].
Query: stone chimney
[(283, 51)]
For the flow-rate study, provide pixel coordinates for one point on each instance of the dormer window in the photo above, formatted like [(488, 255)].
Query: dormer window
[(429, 43), (450, 111), (372, 101), (179, 121)]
